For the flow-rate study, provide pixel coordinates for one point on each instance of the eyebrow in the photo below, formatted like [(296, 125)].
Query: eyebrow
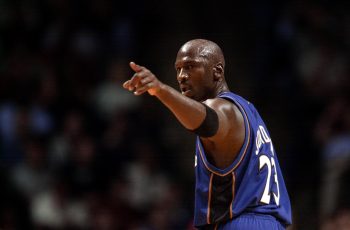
[(186, 62)]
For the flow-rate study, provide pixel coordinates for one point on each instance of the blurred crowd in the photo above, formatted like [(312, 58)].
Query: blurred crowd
[(77, 151)]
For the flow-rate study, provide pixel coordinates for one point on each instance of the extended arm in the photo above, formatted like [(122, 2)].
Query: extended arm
[(189, 112), (228, 137)]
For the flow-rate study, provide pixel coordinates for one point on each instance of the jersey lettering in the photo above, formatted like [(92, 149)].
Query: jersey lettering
[(262, 138)]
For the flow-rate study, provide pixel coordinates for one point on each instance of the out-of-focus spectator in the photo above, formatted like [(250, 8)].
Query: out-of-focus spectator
[(114, 143), (323, 69), (333, 134), (45, 93), (56, 209), (167, 212), (145, 182), (80, 171), (109, 97), (14, 126), (340, 220), (29, 116), (61, 143), (31, 176), (321, 61)]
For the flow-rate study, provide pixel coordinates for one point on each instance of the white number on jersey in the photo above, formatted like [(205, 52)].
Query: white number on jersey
[(266, 196)]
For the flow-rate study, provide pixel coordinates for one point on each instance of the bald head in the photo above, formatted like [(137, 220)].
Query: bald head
[(200, 69), (206, 49)]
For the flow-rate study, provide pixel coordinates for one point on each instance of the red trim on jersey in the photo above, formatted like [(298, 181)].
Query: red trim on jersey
[(233, 193), (209, 197)]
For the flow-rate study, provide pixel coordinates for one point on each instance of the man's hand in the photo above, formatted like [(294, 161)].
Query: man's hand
[(142, 81)]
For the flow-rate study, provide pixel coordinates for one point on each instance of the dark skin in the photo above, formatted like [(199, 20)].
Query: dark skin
[(200, 72)]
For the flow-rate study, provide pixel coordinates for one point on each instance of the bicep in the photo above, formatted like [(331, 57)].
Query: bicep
[(224, 146)]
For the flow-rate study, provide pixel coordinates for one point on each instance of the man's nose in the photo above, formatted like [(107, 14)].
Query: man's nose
[(182, 76)]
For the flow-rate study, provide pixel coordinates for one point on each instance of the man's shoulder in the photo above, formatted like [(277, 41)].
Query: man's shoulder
[(219, 103)]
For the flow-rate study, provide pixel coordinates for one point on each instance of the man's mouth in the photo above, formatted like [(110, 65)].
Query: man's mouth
[(184, 89)]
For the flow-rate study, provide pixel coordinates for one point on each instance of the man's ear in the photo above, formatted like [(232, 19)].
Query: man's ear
[(218, 71)]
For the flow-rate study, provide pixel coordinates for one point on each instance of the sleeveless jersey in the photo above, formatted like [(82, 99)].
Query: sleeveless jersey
[(253, 183)]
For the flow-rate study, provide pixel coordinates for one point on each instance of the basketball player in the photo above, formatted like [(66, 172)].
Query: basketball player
[(239, 183)]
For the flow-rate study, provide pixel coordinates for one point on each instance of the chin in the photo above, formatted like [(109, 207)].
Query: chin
[(192, 97), (196, 99)]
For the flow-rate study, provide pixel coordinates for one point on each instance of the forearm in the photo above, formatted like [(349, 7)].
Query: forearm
[(189, 112)]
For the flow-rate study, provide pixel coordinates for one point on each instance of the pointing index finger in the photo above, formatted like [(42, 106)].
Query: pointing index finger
[(135, 67)]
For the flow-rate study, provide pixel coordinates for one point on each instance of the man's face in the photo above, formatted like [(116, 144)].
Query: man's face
[(194, 74)]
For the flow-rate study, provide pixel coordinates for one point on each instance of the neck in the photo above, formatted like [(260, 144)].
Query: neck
[(219, 88), (222, 88)]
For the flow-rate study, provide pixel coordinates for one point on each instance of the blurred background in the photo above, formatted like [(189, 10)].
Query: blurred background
[(79, 152)]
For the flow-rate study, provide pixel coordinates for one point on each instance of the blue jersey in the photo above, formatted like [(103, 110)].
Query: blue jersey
[(253, 183)]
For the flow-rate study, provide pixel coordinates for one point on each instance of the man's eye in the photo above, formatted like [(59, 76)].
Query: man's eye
[(189, 67)]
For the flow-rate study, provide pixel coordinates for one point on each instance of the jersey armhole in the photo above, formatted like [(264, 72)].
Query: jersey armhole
[(247, 139)]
